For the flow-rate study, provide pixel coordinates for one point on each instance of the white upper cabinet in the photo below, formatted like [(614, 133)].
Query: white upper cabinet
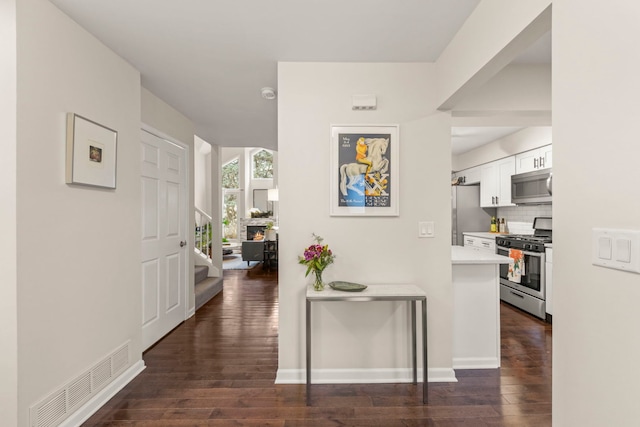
[(495, 183), (469, 176), (532, 160)]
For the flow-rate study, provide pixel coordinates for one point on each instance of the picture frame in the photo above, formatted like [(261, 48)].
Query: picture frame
[(91, 153), (364, 170)]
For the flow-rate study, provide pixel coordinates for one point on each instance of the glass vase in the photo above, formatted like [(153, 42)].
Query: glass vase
[(318, 285)]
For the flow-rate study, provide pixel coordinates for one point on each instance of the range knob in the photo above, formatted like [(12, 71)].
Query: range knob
[(528, 246)]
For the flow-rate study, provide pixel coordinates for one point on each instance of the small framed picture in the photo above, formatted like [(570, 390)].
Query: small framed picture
[(91, 153), (364, 170)]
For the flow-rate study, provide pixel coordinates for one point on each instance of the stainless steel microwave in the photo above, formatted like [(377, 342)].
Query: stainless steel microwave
[(532, 188)]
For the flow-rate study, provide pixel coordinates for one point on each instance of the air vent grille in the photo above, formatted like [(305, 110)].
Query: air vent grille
[(56, 407), (79, 390), (120, 359), (101, 373), (52, 410)]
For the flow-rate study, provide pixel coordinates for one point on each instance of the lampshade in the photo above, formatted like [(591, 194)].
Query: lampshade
[(272, 195)]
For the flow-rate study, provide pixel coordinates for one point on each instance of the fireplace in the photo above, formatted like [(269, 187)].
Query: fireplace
[(253, 229)]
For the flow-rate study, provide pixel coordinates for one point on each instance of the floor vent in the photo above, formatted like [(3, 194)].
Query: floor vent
[(79, 390), (55, 408)]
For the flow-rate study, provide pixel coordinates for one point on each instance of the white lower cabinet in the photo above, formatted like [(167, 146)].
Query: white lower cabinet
[(480, 243)]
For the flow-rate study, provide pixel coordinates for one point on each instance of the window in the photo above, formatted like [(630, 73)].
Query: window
[(262, 164), (231, 175), (231, 197)]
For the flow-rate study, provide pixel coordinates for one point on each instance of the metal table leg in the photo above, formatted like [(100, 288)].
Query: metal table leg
[(425, 366), (308, 335), (414, 358)]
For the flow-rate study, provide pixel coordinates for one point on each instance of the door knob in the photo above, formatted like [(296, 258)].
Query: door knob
[(183, 243)]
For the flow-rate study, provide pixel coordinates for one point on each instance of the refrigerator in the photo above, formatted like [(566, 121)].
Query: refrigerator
[(467, 215)]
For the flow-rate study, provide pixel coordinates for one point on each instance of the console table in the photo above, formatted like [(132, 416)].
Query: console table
[(409, 293)]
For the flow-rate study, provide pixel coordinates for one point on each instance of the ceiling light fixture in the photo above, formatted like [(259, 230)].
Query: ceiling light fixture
[(268, 93)]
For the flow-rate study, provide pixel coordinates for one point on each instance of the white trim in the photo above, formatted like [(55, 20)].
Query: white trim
[(476, 363), (363, 376), (102, 397)]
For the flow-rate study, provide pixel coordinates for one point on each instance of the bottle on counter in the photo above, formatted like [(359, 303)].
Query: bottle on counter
[(503, 226), (493, 224)]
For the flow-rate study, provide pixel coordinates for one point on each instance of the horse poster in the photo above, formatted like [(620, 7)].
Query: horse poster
[(364, 169)]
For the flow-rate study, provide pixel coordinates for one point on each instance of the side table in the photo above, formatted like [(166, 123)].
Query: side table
[(409, 293), (270, 253)]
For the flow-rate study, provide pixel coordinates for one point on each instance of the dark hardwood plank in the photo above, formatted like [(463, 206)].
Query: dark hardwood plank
[(218, 369)]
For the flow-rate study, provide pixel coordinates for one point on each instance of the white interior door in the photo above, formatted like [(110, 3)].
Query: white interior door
[(164, 226)]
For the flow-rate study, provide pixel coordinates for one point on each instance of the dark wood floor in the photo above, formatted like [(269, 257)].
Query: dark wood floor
[(218, 369)]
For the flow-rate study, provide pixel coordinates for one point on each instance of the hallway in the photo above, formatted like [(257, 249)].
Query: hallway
[(218, 369)]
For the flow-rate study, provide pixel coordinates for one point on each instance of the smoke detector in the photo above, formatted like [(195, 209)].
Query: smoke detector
[(268, 93)]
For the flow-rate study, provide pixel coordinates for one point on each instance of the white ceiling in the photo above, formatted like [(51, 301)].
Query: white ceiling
[(210, 58)]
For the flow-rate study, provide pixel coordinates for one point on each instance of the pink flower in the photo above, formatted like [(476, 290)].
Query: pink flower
[(316, 257)]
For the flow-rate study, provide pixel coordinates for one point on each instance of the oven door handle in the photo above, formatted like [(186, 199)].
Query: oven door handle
[(536, 254), (518, 295)]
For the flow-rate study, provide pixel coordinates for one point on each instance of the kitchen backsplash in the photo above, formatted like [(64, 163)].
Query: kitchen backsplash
[(523, 213)]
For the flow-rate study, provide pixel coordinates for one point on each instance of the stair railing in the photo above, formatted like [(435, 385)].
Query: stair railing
[(203, 232)]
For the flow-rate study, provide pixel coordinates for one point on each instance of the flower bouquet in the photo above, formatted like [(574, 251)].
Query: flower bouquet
[(317, 257)]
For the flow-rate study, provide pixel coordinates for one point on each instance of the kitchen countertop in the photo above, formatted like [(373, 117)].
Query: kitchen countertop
[(483, 234), (466, 255)]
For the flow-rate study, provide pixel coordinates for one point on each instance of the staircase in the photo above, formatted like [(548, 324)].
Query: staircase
[(205, 287), (203, 233)]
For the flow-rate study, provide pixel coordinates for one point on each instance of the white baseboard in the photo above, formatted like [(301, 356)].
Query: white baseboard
[(362, 376), (91, 407), (191, 313), (475, 363)]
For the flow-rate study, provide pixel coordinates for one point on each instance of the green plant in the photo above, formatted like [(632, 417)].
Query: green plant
[(269, 226)]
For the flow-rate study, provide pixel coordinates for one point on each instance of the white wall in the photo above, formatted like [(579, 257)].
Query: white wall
[(517, 87), (216, 207), (170, 123), (493, 35), (8, 224), (523, 140), (78, 250), (163, 117), (202, 175), (311, 97), (596, 64)]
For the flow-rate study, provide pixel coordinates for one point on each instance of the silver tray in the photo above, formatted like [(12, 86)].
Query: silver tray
[(347, 286)]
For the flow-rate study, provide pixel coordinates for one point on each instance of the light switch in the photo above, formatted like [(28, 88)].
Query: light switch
[(426, 229), (604, 247), (623, 250), (617, 249)]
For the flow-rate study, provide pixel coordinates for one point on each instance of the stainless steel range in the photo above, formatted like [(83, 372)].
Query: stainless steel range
[(525, 288)]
